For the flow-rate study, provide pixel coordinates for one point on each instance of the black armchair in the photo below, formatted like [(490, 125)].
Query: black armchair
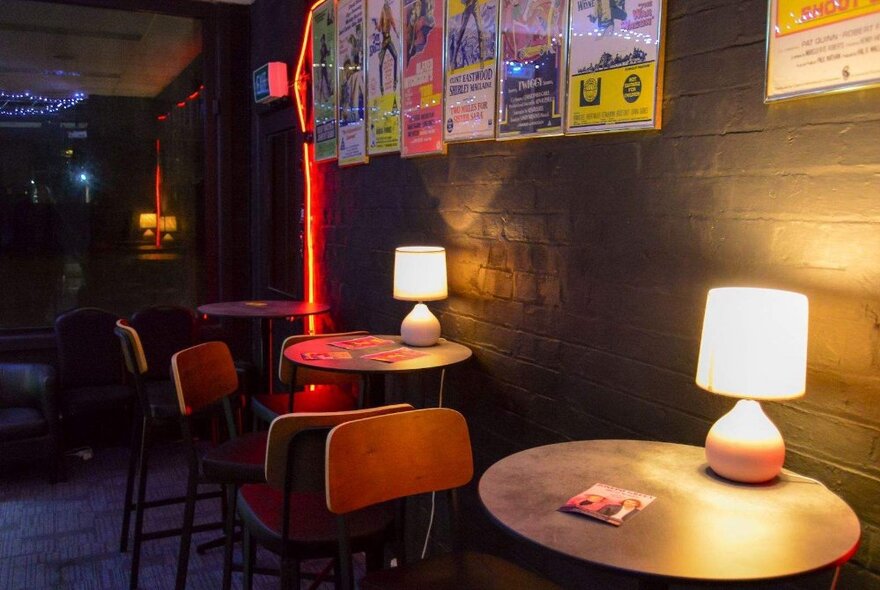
[(29, 428)]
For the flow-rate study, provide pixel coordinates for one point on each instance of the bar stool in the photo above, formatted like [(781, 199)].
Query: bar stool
[(309, 390), (156, 404), (206, 381)]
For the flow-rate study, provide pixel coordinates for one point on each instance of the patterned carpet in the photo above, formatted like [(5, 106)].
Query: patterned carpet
[(67, 535)]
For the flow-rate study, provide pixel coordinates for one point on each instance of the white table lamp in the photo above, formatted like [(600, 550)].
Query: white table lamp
[(420, 275), (754, 346)]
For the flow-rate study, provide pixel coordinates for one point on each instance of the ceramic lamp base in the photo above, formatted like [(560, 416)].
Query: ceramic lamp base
[(744, 445), (420, 327)]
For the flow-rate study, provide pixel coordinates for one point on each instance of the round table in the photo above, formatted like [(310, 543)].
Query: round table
[(441, 355), (266, 311), (700, 527)]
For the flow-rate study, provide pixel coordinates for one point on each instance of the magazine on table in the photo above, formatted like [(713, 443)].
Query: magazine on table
[(361, 343), (329, 355), (393, 356), (608, 503)]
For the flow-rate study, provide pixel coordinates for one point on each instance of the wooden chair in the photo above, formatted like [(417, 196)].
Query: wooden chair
[(309, 390), (288, 515), (206, 381), (156, 404), (392, 457)]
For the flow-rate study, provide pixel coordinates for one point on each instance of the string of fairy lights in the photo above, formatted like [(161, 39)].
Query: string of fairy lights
[(26, 104)]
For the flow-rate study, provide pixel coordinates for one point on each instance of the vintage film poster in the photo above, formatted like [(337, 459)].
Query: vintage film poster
[(383, 76), (324, 80), (531, 67), (615, 65), (819, 47), (471, 27), (351, 91), (422, 92)]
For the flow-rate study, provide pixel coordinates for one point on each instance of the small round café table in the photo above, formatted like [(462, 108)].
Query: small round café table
[(439, 356), (266, 311), (700, 528)]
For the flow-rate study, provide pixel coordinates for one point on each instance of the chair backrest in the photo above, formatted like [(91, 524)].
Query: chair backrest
[(284, 429), (383, 458), (296, 377), (164, 330), (88, 351), (132, 349), (203, 374)]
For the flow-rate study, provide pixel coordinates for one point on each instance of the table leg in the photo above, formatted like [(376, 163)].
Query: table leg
[(374, 391), (267, 378)]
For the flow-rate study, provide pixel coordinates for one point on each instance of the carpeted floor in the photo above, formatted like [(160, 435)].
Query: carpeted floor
[(66, 535)]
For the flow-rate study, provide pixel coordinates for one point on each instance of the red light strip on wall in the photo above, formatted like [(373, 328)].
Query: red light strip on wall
[(301, 81), (158, 195)]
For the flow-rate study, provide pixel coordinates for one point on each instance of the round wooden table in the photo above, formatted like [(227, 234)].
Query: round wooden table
[(700, 528), (441, 355), (266, 311)]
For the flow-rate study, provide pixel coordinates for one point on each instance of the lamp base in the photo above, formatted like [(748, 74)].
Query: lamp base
[(744, 445), (420, 327)]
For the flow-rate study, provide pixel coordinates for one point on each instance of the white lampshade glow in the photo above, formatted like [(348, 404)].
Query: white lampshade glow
[(420, 275), (754, 346)]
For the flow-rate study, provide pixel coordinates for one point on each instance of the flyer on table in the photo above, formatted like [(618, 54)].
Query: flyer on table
[(324, 80), (815, 47), (383, 76), (350, 82), (531, 67), (471, 27), (615, 65), (422, 77)]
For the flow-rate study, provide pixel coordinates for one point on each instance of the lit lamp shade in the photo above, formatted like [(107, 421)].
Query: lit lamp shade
[(168, 223), (420, 275), (754, 346), (147, 222)]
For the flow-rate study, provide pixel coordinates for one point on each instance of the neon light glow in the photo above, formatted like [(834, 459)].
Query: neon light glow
[(302, 79), (158, 193)]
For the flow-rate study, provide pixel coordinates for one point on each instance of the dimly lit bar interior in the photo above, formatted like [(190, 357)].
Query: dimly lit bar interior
[(453, 294)]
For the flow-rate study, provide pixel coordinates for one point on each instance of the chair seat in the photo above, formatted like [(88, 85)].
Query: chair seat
[(457, 571), (314, 398), (162, 398), (313, 528), (90, 399), (238, 460), (19, 423)]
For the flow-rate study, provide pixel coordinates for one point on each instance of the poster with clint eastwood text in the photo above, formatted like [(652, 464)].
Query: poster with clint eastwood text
[(383, 76), (324, 80), (815, 47), (422, 106), (531, 67), (350, 82), (615, 70), (471, 27)]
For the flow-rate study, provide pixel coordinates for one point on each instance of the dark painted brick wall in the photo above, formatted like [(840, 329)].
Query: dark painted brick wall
[(579, 267)]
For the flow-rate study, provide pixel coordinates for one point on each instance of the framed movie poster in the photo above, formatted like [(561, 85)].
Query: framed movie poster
[(324, 80), (615, 65), (422, 106), (531, 67), (383, 76), (819, 47), (471, 27), (351, 108)]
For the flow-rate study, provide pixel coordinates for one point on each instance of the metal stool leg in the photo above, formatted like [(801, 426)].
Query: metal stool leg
[(229, 534), (248, 550), (137, 432), (141, 500), (192, 483)]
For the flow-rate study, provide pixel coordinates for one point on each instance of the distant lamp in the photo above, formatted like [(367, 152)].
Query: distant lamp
[(147, 222), (168, 225), (754, 346), (420, 275)]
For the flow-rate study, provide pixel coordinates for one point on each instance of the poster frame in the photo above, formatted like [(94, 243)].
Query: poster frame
[(329, 5), (362, 157)]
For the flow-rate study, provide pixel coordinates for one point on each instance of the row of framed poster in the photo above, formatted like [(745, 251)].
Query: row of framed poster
[(410, 76)]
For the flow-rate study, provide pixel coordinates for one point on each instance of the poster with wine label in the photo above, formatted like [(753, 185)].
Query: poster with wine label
[(383, 76), (531, 67), (324, 80), (351, 110), (471, 27), (615, 71), (422, 93)]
